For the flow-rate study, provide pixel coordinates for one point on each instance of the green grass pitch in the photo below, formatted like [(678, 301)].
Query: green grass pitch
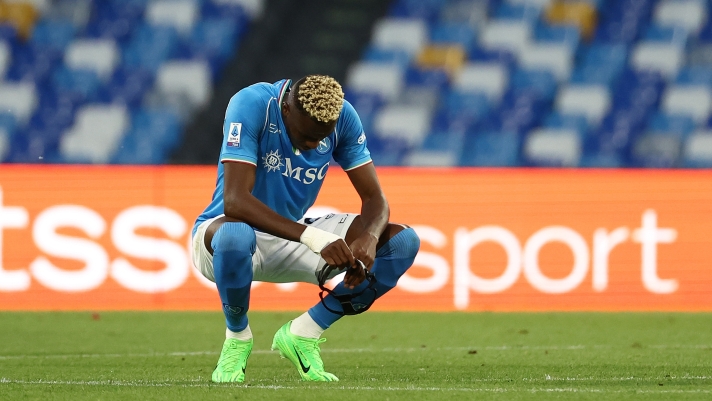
[(377, 356)]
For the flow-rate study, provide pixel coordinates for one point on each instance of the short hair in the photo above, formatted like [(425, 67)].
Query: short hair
[(320, 97)]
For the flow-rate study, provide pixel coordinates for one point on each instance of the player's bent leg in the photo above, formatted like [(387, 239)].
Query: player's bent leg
[(304, 353), (393, 258), (233, 245)]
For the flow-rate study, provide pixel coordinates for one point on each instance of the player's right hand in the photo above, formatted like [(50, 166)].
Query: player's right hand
[(338, 254)]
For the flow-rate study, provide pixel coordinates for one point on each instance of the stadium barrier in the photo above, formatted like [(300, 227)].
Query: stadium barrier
[(117, 238)]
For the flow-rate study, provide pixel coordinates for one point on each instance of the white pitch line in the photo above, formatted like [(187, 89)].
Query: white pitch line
[(354, 350), (197, 383)]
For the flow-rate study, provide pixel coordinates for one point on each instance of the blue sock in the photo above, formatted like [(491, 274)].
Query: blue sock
[(392, 260), (233, 247)]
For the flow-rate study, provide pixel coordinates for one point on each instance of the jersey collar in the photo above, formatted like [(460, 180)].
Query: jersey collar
[(283, 92)]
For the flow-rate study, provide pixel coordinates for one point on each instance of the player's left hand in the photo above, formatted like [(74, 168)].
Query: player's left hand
[(364, 249)]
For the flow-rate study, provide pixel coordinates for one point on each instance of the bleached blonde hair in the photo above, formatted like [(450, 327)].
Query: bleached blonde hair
[(320, 97)]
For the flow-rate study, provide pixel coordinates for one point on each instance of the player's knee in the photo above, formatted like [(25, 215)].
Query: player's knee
[(403, 245), (237, 239)]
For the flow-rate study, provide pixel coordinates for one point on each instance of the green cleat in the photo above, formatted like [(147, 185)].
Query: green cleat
[(303, 353), (232, 362)]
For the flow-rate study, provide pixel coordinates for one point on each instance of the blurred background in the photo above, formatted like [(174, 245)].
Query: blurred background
[(575, 83)]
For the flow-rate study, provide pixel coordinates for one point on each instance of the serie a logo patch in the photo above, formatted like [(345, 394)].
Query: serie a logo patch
[(233, 135)]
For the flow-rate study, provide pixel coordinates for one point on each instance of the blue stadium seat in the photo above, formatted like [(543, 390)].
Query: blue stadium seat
[(367, 106), (150, 47), (34, 64), (51, 34), (480, 54), (540, 81), (573, 122), (561, 34), (452, 33), (427, 77), (695, 75), (517, 11), (127, 86), (387, 151), (676, 125), (460, 111), (399, 57), (429, 10), (491, 149), (666, 34), (80, 85), (153, 134)]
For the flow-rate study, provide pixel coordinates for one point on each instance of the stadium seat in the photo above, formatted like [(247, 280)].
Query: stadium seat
[(461, 110), (127, 87), (542, 82), (554, 58), (253, 8), (81, 140), (553, 147), (692, 101), (578, 123), (664, 58), (384, 79), (153, 133), (98, 55), (387, 56), (656, 150), (673, 35), (19, 98), (671, 124), (695, 75), (581, 14), (450, 33), (54, 34), (22, 15), (471, 12), (150, 47), (512, 36), (499, 149), (80, 84), (687, 14), (426, 10), (517, 11), (565, 35), (593, 102), (410, 123), (431, 158), (179, 14), (5, 143), (698, 150), (488, 78), (184, 81), (78, 12), (409, 35), (447, 58), (5, 59)]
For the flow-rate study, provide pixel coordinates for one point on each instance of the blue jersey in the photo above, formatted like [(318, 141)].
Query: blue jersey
[(286, 179)]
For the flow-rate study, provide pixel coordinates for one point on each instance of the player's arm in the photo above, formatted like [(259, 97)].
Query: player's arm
[(374, 212), (241, 205)]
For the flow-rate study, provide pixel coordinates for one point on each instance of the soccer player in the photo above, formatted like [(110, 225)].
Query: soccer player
[(278, 141)]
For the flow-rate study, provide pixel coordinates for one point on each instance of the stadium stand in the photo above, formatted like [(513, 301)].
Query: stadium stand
[(571, 83), (110, 81)]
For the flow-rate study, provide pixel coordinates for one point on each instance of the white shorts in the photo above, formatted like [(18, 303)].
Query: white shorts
[(276, 260)]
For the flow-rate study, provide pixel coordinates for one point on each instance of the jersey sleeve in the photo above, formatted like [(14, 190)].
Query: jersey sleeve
[(244, 121), (351, 150)]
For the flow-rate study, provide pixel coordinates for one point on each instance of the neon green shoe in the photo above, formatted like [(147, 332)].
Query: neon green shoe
[(303, 353), (232, 362)]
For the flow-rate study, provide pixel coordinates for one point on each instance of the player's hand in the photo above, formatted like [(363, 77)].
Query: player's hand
[(364, 249), (355, 275), (338, 254)]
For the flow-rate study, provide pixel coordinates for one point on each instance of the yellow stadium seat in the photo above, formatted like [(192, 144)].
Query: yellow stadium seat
[(450, 58), (22, 15), (580, 14)]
